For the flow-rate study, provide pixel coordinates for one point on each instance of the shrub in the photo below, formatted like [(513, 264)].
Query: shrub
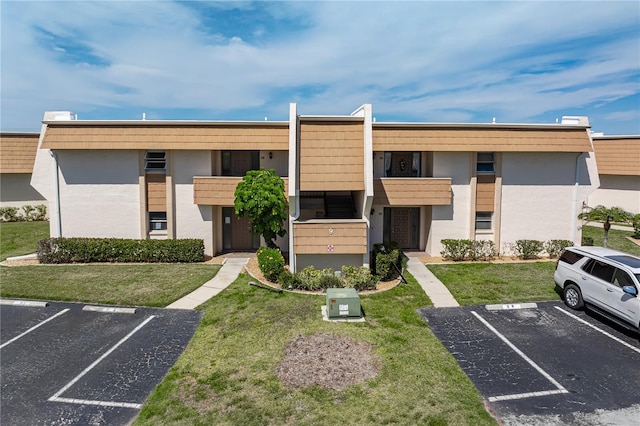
[(482, 250), (359, 278), (112, 250), (40, 213), (289, 280), (29, 212), (636, 226), (9, 214), (384, 257), (555, 247), (313, 279), (456, 250), (528, 249), (271, 262)]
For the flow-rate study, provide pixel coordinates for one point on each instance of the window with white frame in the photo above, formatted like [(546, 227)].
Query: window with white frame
[(485, 162), (155, 161), (484, 221), (157, 221)]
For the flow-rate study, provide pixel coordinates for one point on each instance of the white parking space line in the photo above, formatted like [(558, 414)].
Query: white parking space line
[(611, 336), (560, 388), (33, 328), (100, 403), (56, 396)]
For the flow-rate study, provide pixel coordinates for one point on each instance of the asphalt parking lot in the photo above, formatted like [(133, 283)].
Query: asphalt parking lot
[(75, 364), (544, 363)]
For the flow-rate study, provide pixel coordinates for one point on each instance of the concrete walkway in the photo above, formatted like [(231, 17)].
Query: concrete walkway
[(437, 292), (230, 270), (232, 267)]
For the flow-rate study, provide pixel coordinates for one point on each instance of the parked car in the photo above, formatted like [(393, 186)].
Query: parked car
[(604, 280)]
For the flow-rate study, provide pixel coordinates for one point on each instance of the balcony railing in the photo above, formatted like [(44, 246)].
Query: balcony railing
[(412, 191), (330, 236), (219, 190)]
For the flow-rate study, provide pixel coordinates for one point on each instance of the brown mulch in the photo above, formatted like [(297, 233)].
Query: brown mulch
[(326, 360), (254, 270)]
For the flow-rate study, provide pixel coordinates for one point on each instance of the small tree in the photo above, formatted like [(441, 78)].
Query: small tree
[(260, 195)]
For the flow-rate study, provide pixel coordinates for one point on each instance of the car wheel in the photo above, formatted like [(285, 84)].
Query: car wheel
[(573, 297)]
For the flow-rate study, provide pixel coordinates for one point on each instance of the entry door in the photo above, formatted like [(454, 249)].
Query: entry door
[(402, 225), (236, 232)]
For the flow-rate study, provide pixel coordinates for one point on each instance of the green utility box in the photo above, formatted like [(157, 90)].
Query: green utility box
[(343, 303)]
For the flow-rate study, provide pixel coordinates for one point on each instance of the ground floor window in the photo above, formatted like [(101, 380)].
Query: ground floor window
[(484, 221), (157, 221)]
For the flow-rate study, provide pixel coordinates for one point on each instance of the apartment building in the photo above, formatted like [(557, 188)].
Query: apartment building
[(618, 159), (351, 182), (17, 154)]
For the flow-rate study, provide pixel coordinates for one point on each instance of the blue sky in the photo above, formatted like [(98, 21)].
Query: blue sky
[(454, 61)]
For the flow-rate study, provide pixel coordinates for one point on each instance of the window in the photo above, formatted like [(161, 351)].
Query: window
[(600, 270), (570, 257), (155, 161), (483, 221), (157, 221), (485, 163), (621, 279)]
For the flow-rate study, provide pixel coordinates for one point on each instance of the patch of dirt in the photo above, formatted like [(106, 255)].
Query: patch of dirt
[(21, 262), (329, 361)]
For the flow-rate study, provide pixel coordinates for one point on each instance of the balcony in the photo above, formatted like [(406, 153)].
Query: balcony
[(326, 236), (219, 190), (412, 191)]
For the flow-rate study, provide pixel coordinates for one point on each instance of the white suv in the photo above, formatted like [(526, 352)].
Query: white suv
[(604, 280)]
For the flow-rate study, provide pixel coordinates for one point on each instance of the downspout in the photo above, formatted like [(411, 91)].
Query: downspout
[(574, 212), (57, 189), (294, 213)]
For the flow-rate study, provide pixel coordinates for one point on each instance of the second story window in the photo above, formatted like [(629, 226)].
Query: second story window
[(486, 162), (155, 161)]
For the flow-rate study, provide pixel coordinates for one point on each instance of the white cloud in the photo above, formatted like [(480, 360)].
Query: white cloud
[(437, 60)]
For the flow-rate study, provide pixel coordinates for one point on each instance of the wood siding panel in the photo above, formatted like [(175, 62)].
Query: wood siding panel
[(219, 190), (315, 237), (167, 137), (156, 192), (618, 156), (485, 193), (480, 139), (18, 152), (331, 156), (412, 191)]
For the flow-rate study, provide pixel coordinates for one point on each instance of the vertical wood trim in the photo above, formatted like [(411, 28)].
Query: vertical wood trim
[(473, 187), (171, 228)]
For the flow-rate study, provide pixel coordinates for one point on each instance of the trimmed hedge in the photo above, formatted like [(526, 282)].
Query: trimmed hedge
[(384, 259), (117, 250)]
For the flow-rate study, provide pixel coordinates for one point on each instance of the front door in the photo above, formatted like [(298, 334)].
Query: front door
[(236, 232), (402, 225)]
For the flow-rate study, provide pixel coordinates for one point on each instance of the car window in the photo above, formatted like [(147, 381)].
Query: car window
[(599, 269), (570, 257), (621, 278)]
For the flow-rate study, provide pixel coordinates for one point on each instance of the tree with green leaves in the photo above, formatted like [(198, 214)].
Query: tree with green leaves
[(260, 195)]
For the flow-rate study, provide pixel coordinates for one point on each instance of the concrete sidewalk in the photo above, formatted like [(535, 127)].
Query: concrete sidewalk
[(437, 292), (230, 270), (232, 267)]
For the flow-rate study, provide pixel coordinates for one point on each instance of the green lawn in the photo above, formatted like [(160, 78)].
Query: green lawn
[(488, 283), (227, 373), (617, 239), (121, 284), (18, 238)]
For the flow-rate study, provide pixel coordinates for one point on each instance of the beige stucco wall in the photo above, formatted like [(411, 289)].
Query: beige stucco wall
[(16, 191), (191, 220), (617, 191), (99, 193), (451, 221), (538, 191), (279, 162)]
